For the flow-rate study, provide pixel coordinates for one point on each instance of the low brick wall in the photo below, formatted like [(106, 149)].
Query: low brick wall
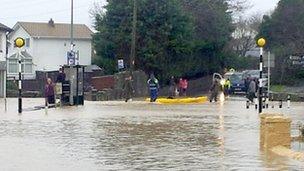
[(103, 82), (111, 87), (275, 131)]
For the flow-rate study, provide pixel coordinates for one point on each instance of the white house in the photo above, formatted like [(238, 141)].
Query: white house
[(3, 51), (46, 46)]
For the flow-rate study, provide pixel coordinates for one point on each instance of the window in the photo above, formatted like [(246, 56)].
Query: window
[(27, 42), (13, 66), (26, 66), (1, 42)]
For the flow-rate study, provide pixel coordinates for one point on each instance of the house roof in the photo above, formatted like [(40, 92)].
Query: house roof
[(56, 30), (24, 55), (4, 27), (91, 68)]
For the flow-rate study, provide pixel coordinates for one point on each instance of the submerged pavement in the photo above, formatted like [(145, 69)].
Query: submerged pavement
[(139, 136)]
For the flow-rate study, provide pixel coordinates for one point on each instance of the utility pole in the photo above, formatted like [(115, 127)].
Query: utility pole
[(72, 22), (133, 43)]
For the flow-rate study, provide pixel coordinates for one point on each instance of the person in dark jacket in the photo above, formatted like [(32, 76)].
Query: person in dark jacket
[(172, 88), (128, 88), (61, 76), (252, 88), (49, 92), (215, 89)]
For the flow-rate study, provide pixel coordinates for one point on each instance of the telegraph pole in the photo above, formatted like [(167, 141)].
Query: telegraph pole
[(72, 23), (19, 42), (261, 43), (133, 44)]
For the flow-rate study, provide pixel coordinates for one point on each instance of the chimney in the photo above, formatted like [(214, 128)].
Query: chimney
[(51, 23)]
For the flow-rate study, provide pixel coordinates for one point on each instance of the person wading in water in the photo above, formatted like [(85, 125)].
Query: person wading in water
[(49, 92)]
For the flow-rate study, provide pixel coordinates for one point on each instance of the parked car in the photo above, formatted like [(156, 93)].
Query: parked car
[(237, 82), (256, 74)]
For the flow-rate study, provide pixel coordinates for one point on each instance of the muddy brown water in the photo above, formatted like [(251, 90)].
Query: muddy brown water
[(139, 136)]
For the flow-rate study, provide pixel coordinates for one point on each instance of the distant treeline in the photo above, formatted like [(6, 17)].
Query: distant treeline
[(194, 38)]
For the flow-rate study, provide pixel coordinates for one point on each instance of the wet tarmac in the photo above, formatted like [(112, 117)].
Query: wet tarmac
[(139, 136)]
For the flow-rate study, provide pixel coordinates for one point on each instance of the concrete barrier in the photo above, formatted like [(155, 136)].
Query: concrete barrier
[(275, 131), (286, 152), (275, 136)]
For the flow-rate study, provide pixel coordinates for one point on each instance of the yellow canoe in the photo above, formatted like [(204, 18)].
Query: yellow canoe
[(181, 100)]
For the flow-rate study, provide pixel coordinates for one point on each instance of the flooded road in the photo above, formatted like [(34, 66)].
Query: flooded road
[(139, 136)]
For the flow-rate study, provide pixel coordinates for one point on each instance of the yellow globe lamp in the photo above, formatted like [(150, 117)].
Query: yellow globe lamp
[(19, 42), (261, 42)]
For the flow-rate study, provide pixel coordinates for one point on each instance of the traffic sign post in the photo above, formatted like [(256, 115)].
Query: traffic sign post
[(120, 64)]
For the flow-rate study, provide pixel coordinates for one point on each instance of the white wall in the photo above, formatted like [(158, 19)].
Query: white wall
[(2, 58), (19, 32), (2, 45), (50, 54)]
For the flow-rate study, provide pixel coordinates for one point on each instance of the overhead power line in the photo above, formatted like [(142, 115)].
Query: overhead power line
[(23, 4), (43, 13)]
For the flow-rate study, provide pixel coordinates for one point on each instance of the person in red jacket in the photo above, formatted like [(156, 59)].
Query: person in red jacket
[(183, 86)]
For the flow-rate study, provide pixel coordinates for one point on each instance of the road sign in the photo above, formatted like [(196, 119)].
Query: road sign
[(271, 60), (71, 58), (58, 88), (121, 64), (297, 60)]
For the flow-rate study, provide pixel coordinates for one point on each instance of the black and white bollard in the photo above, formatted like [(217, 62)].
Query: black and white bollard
[(272, 104), (281, 104), (256, 103), (288, 101), (247, 104)]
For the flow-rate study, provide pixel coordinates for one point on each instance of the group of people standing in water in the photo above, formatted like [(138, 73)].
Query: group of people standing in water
[(175, 88)]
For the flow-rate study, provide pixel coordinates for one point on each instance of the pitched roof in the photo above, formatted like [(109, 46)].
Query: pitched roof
[(24, 55), (56, 30), (4, 27)]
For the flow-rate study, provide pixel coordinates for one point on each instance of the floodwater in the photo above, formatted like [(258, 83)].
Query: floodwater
[(139, 136)]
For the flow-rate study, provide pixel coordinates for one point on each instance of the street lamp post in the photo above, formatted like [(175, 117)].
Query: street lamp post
[(19, 42), (261, 43)]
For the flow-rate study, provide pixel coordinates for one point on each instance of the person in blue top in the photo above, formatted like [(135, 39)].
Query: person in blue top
[(153, 86)]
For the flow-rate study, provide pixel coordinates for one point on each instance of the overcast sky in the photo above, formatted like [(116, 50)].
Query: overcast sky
[(12, 11)]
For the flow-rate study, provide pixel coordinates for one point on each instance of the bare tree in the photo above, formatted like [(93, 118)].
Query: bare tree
[(238, 7), (245, 33)]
